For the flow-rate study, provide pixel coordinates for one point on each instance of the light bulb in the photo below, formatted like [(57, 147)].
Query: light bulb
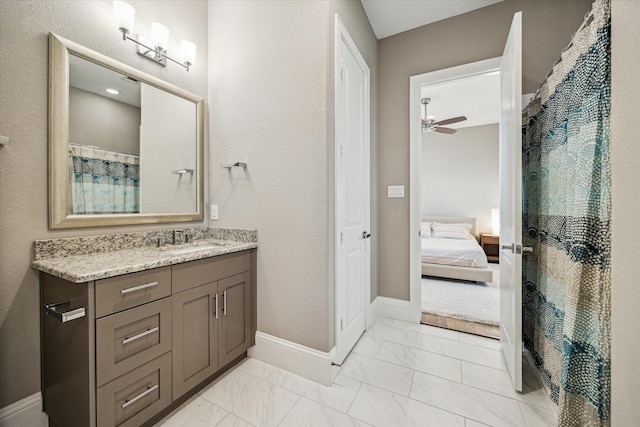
[(124, 15), (188, 52), (159, 35)]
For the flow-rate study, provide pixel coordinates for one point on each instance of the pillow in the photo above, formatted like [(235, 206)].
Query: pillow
[(451, 231), (425, 230)]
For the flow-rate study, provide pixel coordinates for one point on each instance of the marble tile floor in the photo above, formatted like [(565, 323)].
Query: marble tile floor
[(399, 374)]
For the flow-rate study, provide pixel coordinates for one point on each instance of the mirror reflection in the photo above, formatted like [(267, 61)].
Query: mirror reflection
[(124, 147), (132, 146)]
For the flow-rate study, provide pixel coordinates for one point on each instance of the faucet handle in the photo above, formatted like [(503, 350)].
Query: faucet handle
[(178, 237)]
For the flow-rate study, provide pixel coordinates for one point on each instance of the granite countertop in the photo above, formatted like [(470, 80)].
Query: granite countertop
[(83, 268), (73, 259)]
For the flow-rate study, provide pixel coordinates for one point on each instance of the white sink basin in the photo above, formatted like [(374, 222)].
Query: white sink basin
[(184, 251), (197, 246)]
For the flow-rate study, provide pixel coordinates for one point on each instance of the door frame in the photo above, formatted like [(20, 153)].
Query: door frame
[(416, 83), (341, 33)]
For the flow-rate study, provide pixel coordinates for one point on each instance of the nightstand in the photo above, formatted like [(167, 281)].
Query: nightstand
[(491, 245)]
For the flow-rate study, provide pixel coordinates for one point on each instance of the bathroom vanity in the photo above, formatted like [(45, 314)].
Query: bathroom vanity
[(129, 334)]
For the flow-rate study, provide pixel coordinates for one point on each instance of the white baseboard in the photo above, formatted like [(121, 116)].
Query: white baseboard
[(373, 313), (24, 412), (393, 308), (299, 359)]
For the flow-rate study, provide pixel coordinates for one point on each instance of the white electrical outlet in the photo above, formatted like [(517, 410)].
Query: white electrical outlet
[(214, 211), (395, 191)]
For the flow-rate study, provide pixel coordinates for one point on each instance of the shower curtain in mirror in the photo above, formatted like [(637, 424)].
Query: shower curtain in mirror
[(567, 221), (103, 182)]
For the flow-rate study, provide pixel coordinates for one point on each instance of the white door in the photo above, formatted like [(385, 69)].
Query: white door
[(511, 202), (352, 194)]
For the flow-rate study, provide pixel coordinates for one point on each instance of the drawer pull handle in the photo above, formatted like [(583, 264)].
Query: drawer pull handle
[(140, 335), (64, 316), (224, 303), (216, 312), (140, 396), (137, 288)]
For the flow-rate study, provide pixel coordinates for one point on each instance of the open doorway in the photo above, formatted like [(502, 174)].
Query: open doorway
[(459, 195), (454, 283)]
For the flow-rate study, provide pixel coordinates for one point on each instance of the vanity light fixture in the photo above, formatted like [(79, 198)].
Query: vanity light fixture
[(154, 47)]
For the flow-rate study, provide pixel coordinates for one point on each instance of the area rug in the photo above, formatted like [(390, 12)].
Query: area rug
[(470, 301)]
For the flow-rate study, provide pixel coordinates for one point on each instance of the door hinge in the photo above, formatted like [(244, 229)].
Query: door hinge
[(341, 70), (341, 237), (341, 151), (341, 324)]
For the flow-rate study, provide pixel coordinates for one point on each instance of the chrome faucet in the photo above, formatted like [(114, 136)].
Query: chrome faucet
[(178, 237)]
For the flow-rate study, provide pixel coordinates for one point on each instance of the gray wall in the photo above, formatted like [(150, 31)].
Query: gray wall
[(460, 174), (474, 36), (272, 101), (23, 163), (91, 119), (625, 152)]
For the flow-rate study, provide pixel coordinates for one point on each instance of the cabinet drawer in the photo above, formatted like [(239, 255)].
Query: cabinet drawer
[(137, 396), (120, 293), (130, 338), (490, 240), (195, 273)]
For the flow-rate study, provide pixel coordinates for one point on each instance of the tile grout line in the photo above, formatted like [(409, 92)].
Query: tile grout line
[(517, 401), (292, 406), (418, 370), (354, 399)]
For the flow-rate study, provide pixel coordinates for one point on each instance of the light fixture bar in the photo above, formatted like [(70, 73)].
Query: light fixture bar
[(159, 54), (124, 17)]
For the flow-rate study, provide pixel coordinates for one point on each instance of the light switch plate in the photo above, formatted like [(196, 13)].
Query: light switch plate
[(214, 212), (395, 191)]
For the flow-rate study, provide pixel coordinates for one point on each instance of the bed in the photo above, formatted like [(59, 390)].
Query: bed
[(454, 258)]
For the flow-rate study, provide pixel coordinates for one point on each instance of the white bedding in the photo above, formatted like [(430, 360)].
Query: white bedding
[(459, 252)]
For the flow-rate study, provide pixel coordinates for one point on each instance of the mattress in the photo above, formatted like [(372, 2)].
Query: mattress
[(458, 252)]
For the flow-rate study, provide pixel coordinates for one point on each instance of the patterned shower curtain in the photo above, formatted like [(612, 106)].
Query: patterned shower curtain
[(103, 182), (567, 221)]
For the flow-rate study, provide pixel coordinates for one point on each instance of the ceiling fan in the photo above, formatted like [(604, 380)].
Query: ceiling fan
[(430, 125)]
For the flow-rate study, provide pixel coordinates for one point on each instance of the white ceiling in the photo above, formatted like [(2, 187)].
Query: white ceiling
[(389, 17), (95, 78), (477, 98)]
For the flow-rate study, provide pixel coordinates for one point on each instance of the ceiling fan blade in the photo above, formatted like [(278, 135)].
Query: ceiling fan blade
[(451, 121), (448, 131)]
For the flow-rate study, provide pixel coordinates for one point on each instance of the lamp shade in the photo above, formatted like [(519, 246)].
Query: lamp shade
[(123, 15), (159, 35), (188, 52), (495, 221)]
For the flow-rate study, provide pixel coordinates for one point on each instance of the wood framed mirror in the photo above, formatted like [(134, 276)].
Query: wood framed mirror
[(132, 155)]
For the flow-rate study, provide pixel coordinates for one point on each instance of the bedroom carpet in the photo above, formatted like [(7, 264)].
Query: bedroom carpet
[(470, 301)]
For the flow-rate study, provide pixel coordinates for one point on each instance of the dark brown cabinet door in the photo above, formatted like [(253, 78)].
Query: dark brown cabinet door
[(235, 319), (195, 337)]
